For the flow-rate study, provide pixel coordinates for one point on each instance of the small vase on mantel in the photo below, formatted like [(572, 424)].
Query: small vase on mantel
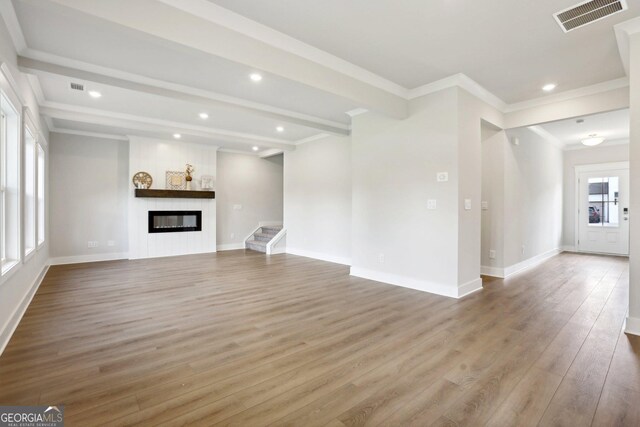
[(189, 183), (188, 176)]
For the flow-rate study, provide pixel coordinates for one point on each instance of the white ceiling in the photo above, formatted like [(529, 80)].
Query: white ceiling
[(160, 63), (613, 126), (512, 48)]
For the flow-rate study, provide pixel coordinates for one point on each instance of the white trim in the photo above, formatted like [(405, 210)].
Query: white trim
[(35, 60), (596, 167), (90, 134), (130, 121), (319, 255), (506, 272), (462, 81), (79, 259), (632, 326), (264, 154), (569, 94), (470, 287), (13, 90), (312, 138), (13, 26), (246, 153), (531, 262), (10, 326), (274, 241), (356, 112), (451, 291), (238, 23), (569, 248), (623, 31), (230, 246)]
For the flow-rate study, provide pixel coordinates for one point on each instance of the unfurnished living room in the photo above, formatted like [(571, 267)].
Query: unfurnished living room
[(329, 212)]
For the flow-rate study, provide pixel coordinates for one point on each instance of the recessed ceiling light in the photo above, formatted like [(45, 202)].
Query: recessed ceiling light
[(177, 136), (255, 77), (255, 148), (549, 87), (593, 139), (94, 94), (204, 116), (280, 129)]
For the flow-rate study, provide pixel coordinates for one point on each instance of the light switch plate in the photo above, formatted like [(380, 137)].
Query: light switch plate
[(432, 204), (467, 204), (442, 176), (492, 254)]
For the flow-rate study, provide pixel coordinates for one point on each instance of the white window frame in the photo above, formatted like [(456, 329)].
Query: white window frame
[(30, 127), (41, 199), (9, 89)]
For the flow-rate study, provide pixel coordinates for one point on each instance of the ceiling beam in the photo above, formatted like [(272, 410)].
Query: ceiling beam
[(146, 124), (168, 90), (183, 28)]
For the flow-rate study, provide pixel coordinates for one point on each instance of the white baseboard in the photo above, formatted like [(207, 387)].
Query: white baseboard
[(503, 273), (318, 255), (569, 249), (419, 285), (10, 327), (78, 259), (470, 287), (230, 246), (492, 271), (632, 326), (276, 251)]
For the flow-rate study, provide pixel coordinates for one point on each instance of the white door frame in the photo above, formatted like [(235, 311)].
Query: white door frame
[(589, 168)]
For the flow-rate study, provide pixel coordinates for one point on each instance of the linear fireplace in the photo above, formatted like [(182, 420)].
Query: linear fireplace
[(174, 221)]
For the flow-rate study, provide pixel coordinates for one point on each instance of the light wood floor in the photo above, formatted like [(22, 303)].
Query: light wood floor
[(242, 339)]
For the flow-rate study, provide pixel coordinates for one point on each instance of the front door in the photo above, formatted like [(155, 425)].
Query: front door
[(603, 211)]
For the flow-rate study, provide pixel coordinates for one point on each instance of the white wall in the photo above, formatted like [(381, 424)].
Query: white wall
[(156, 157), (17, 289), (89, 189), (253, 183), (633, 321), (317, 199), (524, 187), (585, 156), (395, 238)]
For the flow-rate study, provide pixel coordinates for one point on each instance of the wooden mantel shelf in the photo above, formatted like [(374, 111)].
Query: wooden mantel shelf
[(175, 194)]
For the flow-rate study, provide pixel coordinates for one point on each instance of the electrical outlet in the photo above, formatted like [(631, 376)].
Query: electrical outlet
[(485, 206), (492, 254), (92, 244), (432, 204), (381, 258), (111, 243), (442, 176), (467, 204)]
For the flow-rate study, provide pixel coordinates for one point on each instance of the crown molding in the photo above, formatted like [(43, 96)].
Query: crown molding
[(462, 81), (129, 121), (233, 151), (569, 94), (90, 134), (312, 138), (356, 112), (243, 25)]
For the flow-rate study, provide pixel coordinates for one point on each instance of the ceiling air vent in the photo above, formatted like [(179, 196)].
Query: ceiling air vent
[(588, 12), (77, 86)]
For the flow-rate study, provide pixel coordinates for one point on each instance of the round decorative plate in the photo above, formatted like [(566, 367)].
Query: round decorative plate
[(142, 178)]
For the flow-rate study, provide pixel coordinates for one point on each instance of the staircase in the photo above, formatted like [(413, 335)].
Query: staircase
[(258, 241)]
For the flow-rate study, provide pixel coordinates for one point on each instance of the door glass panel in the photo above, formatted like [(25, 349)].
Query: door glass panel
[(604, 205)]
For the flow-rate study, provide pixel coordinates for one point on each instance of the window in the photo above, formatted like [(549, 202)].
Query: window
[(29, 192), (41, 196), (9, 185), (604, 207)]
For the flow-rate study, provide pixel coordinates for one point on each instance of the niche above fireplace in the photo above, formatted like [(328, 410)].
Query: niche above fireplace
[(174, 221)]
